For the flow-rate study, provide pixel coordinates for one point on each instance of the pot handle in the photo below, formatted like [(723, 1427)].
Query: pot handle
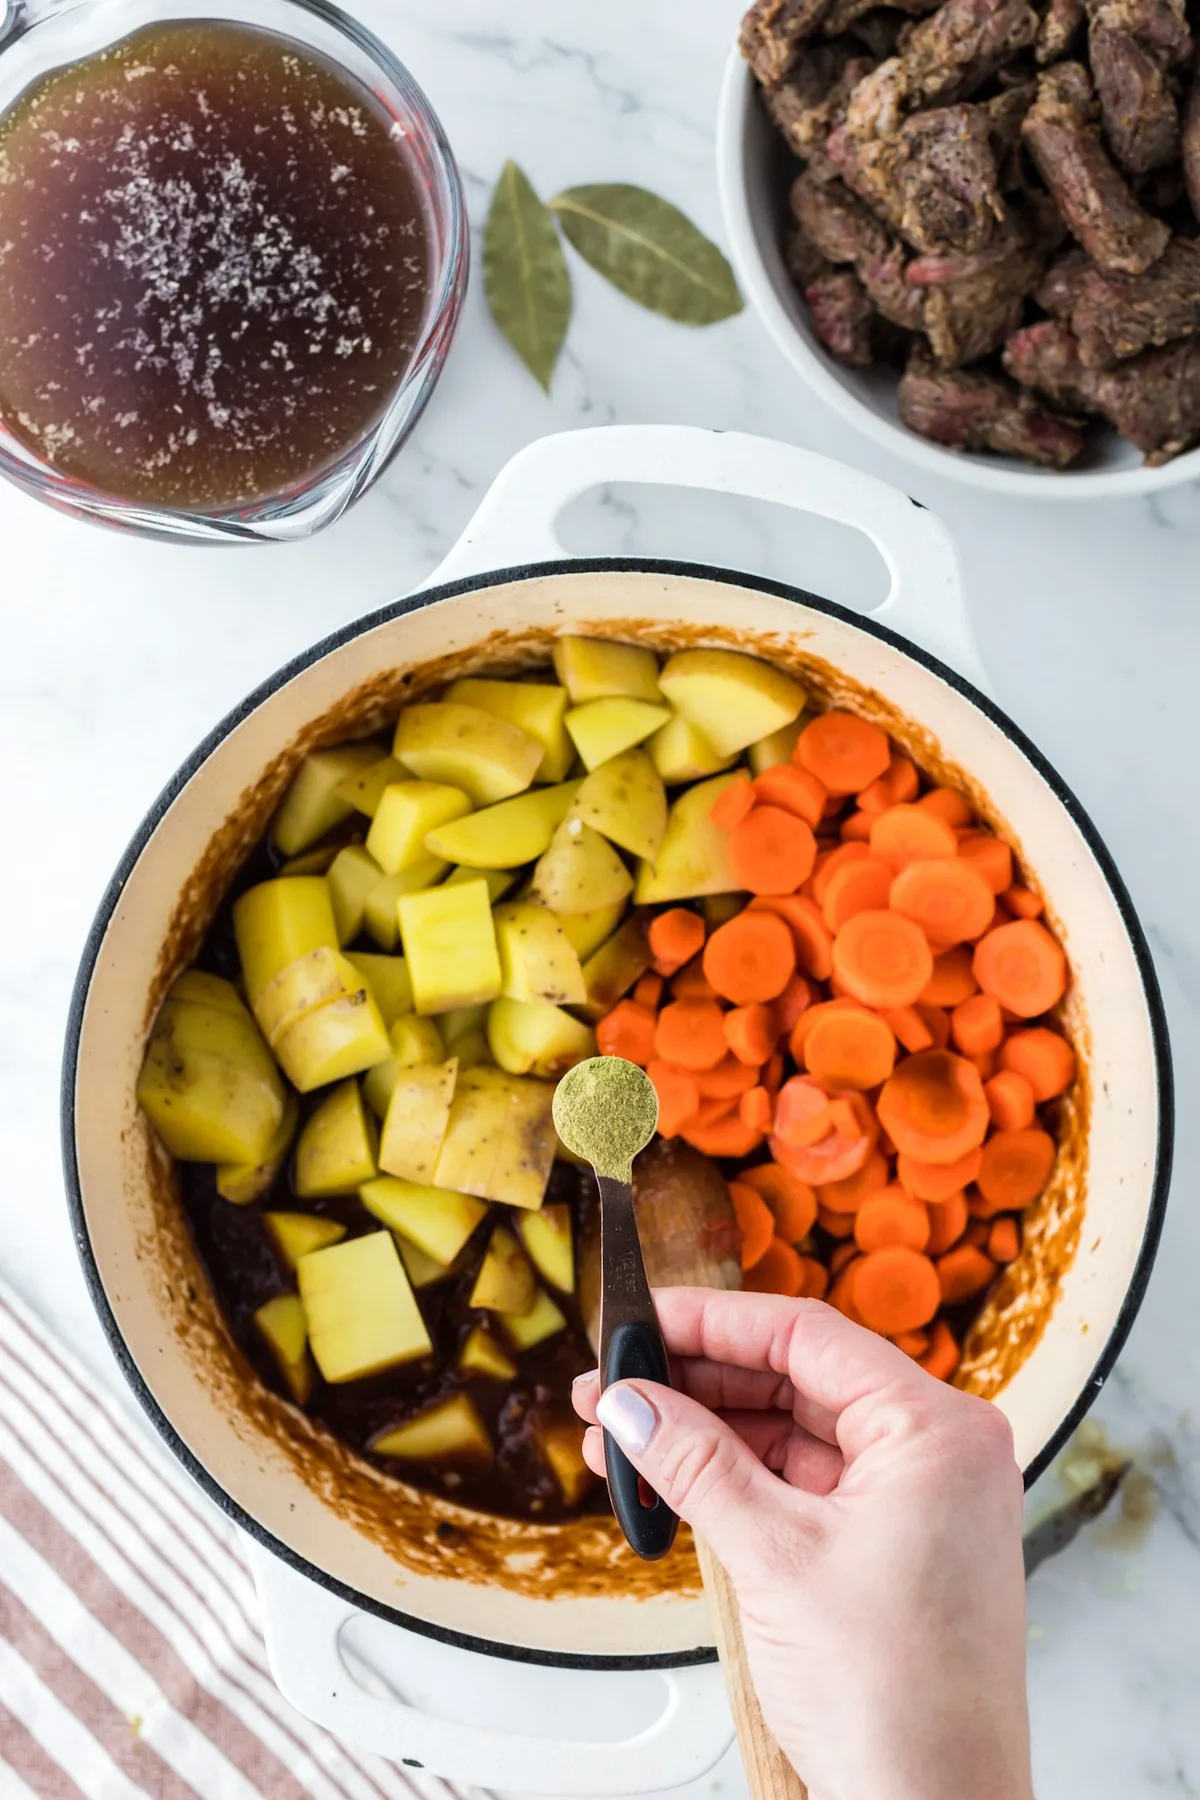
[(515, 522), (302, 1624)]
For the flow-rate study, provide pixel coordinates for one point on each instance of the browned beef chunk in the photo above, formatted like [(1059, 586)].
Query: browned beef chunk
[(1117, 316), (972, 305), (1005, 116), (1191, 146), (772, 33), (968, 411), (878, 31), (1159, 24), (934, 179), (1153, 400), (1061, 21), (801, 257), (846, 231), (1141, 119), (953, 52), (813, 99), (1045, 356), (1093, 197), (841, 316), (844, 14), (1060, 286)]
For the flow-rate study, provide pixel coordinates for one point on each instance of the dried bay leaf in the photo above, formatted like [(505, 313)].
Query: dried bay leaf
[(650, 250), (525, 273)]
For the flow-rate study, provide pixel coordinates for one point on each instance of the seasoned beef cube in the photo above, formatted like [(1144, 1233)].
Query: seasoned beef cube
[(878, 31), (950, 192), (801, 257), (772, 33), (954, 51), (1191, 146), (968, 411), (972, 305), (1045, 356), (1061, 21), (1094, 198), (844, 14), (1115, 317), (1153, 400), (842, 315), (1060, 286), (814, 97), (1141, 119), (846, 231), (1159, 24), (1005, 116)]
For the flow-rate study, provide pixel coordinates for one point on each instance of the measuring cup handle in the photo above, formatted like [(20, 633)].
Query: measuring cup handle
[(636, 1353)]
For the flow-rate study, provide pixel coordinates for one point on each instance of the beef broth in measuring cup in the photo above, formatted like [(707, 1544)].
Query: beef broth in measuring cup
[(215, 266)]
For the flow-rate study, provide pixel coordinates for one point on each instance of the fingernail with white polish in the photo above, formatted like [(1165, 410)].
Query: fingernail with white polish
[(588, 1376), (630, 1418)]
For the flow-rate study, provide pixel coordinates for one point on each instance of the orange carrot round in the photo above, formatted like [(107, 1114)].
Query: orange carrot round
[(802, 1112), (899, 782), (943, 1355), (723, 1138), (732, 804), (907, 834), (751, 958), (771, 851), (755, 1109), (1010, 1100), (936, 1021), (848, 1194), (857, 828), (1016, 1166), (795, 999), (952, 980), (908, 1028), (895, 1289), (976, 1025), (890, 1217), (750, 1032), (829, 862), (882, 959), (678, 1096), (947, 1222), (841, 1254), (793, 789), (811, 937), (947, 898), (933, 1107), (947, 805), (628, 1031), (1004, 1241), (860, 886), (850, 1048), (1022, 902), (838, 1225), (1043, 1057), (793, 1202), (962, 1273), (808, 1019), (937, 1181), (779, 1270), (756, 1222), (989, 856), (1022, 966), (691, 983), (815, 1279), (647, 991), (836, 1155), (728, 1080), (691, 1034), (676, 936), (773, 1072), (844, 752), (913, 1343)]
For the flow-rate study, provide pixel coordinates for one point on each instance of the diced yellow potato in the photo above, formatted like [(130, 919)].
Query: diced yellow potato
[(414, 1040), (207, 990), (311, 862), (382, 918), (339, 1038), (499, 837), (474, 1052), (353, 874), (436, 1220), (718, 909), (296, 1234), (597, 668), (733, 699), (533, 1037), (616, 965), (282, 1328), (450, 946), (536, 958), (278, 922), (680, 752), (498, 881), (312, 805), (560, 1441), (500, 1140), (776, 748), (586, 931), (605, 728), (240, 1183), (364, 789), (450, 1431), (505, 1283), (482, 1355), (361, 1313), (407, 812), (692, 860), (542, 1321), (535, 707), (460, 1022), (548, 1239), (387, 978), (421, 1270), (625, 801), (208, 1085), (580, 871), (336, 1149), (301, 987), (467, 748), (417, 1116)]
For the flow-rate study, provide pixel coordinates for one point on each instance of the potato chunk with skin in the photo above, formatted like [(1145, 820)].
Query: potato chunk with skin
[(295, 1234), (548, 1239), (302, 987), (450, 947), (537, 961), (505, 1283), (450, 1431), (467, 748), (543, 1320), (500, 1140), (282, 1328), (482, 1355), (353, 875), (382, 912), (364, 789), (436, 1220), (692, 860), (414, 1040), (681, 753), (361, 1313), (599, 668), (733, 699), (336, 1150), (497, 881), (388, 979), (533, 1037), (417, 1117), (616, 965), (587, 931), (536, 707), (421, 1270), (208, 1084), (312, 805), (625, 801), (499, 837), (278, 922), (560, 1443), (580, 871), (340, 1037), (407, 812), (605, 728), (240, 1183)]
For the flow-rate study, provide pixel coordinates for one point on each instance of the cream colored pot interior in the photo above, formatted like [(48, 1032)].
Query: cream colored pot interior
[(573, 1589)]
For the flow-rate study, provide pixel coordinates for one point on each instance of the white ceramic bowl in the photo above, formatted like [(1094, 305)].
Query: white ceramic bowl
[(754, 168)]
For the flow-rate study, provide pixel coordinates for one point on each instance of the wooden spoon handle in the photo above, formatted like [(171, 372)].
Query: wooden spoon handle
[(769, 1774)]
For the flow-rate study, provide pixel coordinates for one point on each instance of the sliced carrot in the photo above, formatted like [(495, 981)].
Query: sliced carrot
[(1022, 902), (779, 1270), (936, 1021), (628, 1031), (977, 1234), (882, 959), (943, 1355), (815, 1279), (732, 804), (908, 1027), (1043, 1057), (847, 1195), (984, 1062), (771, 851), (841, 1294), (691, 983), (802, 1112), (962, 1273), (850, 1048), (811, 936), (678, 1096), (835, 1156), (1004, 1241), (945, 804), (677, 935), (794, 789), (933, 1107), (899, 782), (844, 752), (989, 856), (1016, 1166), (838, 1225), (828, 864), (756, 1222), (794, 1000), (756, 1110), (647, 991), (937, 1181), (716, 1109), (729, 1080), (895, 1289), (773, 1073), (913, 1343), (751, 958), (976, 1025), (1022, 966), (907, 834), (952, 980), (890, 1217), (841, 1254), (857, 828), (750, 1032), (1010, 1100), (860, 886), (793, 1202), (947, 898), (691, 1034), (947, 1222), (726, 1137)]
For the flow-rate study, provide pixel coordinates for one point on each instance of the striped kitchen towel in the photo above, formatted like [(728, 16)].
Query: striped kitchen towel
[(131, 1663)]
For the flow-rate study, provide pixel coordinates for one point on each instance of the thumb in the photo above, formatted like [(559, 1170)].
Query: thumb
[(697, 1463)]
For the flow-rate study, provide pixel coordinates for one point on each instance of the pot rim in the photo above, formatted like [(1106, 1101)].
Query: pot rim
[(396, 609)]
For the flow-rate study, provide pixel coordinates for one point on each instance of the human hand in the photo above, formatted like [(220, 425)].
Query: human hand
[(869, 1518)]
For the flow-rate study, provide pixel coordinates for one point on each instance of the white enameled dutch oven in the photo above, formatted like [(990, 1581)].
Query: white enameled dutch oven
[(333, 1538)]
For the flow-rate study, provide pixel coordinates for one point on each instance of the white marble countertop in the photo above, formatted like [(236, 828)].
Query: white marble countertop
[(122, 654)]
